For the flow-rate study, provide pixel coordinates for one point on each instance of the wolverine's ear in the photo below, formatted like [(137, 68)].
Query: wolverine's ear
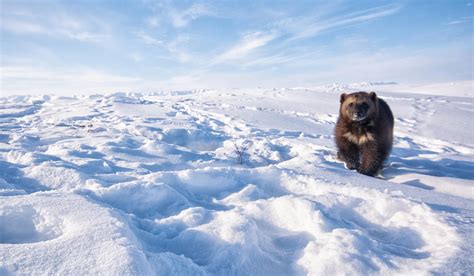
[(373, 96), (343, 97)]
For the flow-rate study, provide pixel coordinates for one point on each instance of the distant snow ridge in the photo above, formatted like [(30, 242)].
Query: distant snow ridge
[(336, 87), (143, 184), (373, 83)]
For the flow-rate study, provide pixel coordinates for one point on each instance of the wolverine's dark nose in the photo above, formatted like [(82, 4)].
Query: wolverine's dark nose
[(360, 111), (363, 107)]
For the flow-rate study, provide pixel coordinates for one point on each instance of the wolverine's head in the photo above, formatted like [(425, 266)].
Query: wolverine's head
[(358, 106)]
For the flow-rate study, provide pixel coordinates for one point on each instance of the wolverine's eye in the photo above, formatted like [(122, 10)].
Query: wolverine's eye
[(351, 104), (364, 106)]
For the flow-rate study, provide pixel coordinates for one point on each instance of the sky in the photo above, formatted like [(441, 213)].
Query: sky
[(102, 46)]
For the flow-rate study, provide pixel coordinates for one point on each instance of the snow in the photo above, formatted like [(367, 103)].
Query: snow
[(131, 183)]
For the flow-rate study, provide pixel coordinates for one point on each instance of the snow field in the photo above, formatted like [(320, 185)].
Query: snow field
[(153, 181)]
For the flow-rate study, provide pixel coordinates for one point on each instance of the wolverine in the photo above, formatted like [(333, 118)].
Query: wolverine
[(364, 132)]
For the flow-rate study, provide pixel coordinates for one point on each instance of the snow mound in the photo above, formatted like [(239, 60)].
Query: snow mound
[(65, 234), (22, 224)]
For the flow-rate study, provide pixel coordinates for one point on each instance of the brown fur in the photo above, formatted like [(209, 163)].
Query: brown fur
[(364, 132)]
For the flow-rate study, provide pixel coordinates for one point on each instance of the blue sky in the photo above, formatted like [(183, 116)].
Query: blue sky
[(142, 45)]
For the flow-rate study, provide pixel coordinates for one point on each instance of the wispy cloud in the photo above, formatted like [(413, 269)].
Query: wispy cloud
[(181, 18), (246, 45), (286, 58), (57, 24), (307, 27), (147, 39), (166, 12), (137, 57), (244, 53), (173, 46), (463, 20), (290, 30)]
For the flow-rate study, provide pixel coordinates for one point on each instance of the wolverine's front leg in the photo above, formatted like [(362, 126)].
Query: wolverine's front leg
[(349, 153), (371, 159)]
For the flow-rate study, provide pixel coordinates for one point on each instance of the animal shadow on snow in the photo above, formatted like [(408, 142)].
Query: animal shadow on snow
[(405, 160), (444, 167)]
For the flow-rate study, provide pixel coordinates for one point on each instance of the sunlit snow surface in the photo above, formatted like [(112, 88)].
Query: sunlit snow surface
[(150, 184)]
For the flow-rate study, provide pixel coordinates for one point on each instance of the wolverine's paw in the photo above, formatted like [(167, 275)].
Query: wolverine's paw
[(339, 156), (367, 172), (350, 165)]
